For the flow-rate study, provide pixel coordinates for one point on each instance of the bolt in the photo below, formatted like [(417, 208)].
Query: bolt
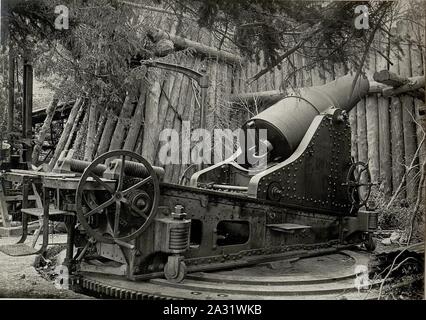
[(178, 214), (178, 209)]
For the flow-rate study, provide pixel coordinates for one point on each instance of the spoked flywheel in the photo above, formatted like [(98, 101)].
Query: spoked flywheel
[(126, 201), (358, 182)]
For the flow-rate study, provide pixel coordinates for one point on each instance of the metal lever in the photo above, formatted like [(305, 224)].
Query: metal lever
[(125, 244)]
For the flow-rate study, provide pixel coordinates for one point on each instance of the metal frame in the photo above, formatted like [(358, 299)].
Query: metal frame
[(201, 78)]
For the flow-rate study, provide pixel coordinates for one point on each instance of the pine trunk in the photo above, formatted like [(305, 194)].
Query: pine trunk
[(108, 131), (362, 132), (74, 127), (80, 142), (50, 112), (385, 147), (362, 137), (99, 131), (137, 120), (211, 95), (65, 133), (172, 113), (163, 106), (417, 68), (397, 135), (398, 157), (91, 132), (151, 130), (123, 122), (384, 130), (408, 113), (372, 118), (179, 118)]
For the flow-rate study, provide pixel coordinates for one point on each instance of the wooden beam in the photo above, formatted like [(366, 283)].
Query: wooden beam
[(413, 84), (389, 78), (181, 43), (418, 94)]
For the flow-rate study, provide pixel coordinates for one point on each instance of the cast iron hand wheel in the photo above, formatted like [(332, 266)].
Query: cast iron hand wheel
[(120, 197), (355, 180)]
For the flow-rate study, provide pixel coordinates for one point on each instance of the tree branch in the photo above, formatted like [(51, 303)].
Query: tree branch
[(289, 52)]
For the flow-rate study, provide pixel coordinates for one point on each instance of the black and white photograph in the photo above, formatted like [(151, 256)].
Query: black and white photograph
[(221, 151)]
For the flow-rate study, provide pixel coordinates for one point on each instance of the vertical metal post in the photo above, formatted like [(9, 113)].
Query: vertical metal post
[(46, 203), (23, 113), (27, 110), (204, 84), (11, 93), (25, 194)]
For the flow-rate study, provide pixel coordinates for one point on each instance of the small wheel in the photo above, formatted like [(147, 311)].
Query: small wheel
[(370, 244), (354, 182), (175, 269), (124, 198)]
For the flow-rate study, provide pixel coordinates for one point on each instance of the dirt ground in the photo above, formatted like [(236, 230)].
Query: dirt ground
[(20, 280)]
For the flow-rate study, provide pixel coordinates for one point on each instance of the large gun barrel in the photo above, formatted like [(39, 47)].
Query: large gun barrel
[(288, 120)]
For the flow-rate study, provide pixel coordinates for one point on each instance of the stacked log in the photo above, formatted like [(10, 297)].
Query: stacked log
[(417, 67), (151, 129), (80, 142), (123, 121), (372, 119), (408, 114), (137, 119), (66, 132), (93, 113), (362, 131), (397, 135), (385, 181), (75, 125), (107, 133)]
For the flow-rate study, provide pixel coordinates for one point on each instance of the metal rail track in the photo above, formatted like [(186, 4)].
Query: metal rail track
[(324, 277)]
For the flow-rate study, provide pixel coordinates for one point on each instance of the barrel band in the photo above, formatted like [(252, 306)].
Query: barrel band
[(310, 103)]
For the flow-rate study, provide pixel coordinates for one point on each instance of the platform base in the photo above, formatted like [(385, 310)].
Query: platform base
[(15, 231)]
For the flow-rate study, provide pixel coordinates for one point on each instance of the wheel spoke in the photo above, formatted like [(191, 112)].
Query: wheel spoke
[(100, 208), (137, 185), (103, 183), (117, 218), (121, 177)]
